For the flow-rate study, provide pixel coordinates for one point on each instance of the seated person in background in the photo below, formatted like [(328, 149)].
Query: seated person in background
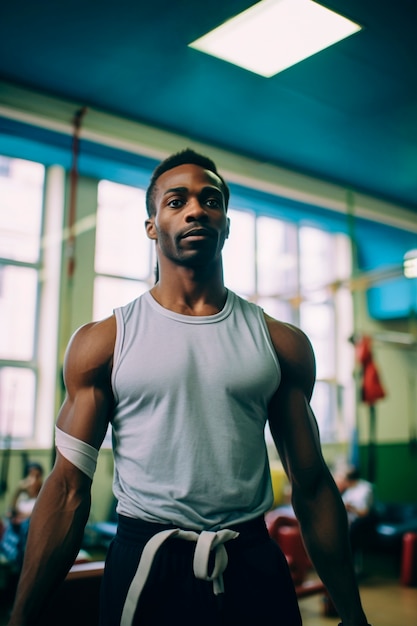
[(358, 498), (357, 494), (13, 541)]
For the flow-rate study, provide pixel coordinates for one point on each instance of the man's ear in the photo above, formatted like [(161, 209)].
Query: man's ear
[(150, 227), (228, 228)]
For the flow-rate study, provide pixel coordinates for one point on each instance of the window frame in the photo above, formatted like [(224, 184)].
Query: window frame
[(30, 364)]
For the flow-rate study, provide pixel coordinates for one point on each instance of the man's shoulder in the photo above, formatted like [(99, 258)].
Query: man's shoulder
[(93, 343), (98, 331), (294, 352), (287, 337)]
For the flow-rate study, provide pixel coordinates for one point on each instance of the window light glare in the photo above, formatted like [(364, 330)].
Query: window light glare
[(275, 34), (410, 264)]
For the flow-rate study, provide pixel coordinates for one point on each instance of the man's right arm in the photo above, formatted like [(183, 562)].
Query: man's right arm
[(63, 505)]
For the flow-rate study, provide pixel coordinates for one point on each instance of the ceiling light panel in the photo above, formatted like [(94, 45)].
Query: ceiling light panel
[(275, 34)]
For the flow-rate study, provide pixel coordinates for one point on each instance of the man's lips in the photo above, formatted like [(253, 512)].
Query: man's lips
[(198, 232)]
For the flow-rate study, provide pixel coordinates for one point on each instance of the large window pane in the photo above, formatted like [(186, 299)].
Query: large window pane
[(324, 405), (318, 262), (122, 246), (345, 349), (21, 210), (276, 257), (278, 309), (110, 293), (21, 186), (284, 268), (318, 322), (18, 291), (239, 253), (124, 257), (17, 402)]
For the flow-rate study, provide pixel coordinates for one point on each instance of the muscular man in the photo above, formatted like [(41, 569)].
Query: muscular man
[(187, 375)]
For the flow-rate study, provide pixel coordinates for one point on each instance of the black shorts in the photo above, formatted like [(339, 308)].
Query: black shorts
[(257, 581)]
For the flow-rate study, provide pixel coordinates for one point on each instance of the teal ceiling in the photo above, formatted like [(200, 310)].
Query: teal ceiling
[(347, 114)]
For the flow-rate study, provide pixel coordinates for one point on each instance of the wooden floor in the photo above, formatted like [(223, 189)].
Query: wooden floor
[(386, 603), (385, 600)]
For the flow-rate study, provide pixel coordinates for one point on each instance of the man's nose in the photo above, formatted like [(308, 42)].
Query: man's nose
[(195, 211)]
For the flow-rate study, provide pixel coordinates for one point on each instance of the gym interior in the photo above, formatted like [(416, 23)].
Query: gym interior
[(321, 164)]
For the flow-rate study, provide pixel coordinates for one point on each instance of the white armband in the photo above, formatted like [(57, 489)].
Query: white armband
[(77, 452)]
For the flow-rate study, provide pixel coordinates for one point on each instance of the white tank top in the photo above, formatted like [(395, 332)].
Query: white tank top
[(191, 399)]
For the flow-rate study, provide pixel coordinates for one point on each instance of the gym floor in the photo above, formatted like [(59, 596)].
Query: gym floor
[(385, 600)]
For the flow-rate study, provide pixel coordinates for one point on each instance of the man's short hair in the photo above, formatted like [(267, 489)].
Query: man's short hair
[(33, 465), (353, 473), (185, 157)]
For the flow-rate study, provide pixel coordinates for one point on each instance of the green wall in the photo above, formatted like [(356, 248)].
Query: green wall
[(395, 471)]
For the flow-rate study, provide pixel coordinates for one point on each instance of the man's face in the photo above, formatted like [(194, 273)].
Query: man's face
[(190, 224)]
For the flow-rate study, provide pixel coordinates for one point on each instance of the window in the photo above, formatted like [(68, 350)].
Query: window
[(277, 268), (21, 204), (239, 253), (291, 271), (287, 269), (326, 315), (124, 258)]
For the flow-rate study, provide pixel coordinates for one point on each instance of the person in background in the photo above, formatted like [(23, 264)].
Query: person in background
[(187, 375), (13, 541), (357, 494), (358, 498)]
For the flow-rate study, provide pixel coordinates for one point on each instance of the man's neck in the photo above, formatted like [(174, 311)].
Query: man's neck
[(188, 294)]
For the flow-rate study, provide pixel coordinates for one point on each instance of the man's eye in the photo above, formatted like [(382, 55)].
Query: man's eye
[(213, 203), (175, 203)]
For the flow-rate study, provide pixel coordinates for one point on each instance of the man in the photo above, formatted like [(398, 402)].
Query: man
[(13, 540), (357, 495), (358, 498), (187, 375)]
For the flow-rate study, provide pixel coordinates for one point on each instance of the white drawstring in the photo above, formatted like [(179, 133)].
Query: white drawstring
[(206, 541)]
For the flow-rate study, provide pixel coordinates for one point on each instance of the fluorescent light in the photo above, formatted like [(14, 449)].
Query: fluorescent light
[(275, 34), (410, 264)]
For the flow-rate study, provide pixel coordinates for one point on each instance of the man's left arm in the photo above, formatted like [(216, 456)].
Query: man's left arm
[(315, 497)]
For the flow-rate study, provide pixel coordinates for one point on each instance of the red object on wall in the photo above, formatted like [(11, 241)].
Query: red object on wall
[(409, 560), (372, 389)]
